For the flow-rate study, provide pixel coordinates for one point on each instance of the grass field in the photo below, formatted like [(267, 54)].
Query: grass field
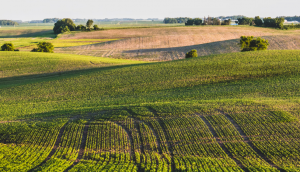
[(224, 112)]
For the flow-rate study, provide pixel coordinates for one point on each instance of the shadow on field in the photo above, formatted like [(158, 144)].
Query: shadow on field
[(28, 79), (27, 33), (219, 47), (277, 42)]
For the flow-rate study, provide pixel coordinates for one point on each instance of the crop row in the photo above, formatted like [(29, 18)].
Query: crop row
[(68, 149), (106, 136), (276, 136), (27, 145), (236, 146)]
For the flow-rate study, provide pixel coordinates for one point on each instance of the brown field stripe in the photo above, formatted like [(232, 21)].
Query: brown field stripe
[(161, 123), (158, 141), (247, 140), (82, 147), (56, 145), (212, 130)]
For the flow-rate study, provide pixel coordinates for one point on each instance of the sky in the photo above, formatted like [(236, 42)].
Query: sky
[(99, 9)]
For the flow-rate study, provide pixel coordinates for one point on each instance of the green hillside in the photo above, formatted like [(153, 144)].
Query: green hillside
[(27, 63), (228, 112)]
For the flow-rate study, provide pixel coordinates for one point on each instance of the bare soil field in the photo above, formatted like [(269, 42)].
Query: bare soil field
[(172, 43)]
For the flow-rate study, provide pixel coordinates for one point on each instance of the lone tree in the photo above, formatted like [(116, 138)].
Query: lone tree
[(7, 47), (60, 26), (249, 43), (89, 23), (44, 47), (192, 53)]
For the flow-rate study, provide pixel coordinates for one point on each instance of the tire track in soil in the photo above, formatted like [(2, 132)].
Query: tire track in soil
[(82, 147), (170, 148), (129, 134), (212, 130), (158, 141), (249, 142), (55, 147)]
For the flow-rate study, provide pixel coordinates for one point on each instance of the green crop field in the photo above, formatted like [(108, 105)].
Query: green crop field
[(99, 104), (227, 112)]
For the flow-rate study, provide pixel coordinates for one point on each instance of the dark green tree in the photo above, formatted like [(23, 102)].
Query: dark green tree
[(59, 26), (245, 21), (276, 22), (80, 27), (44, 47), (249, 43), (197, 21), (64, 29), (190, 22), (89, 23), (258, 21), (192, 53), (7, 47)]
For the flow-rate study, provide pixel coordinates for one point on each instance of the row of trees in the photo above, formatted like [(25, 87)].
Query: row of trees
[(50, 20), (207, 21), (266, 22), (67, 25), (176, 20), (198, 21), (292, 18), (8, 22)]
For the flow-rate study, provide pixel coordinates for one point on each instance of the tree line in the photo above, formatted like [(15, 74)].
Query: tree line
[(266, 22), (8, 22), (175, 20), (292, 18), (67, 25), (50, 20), (198, 21)]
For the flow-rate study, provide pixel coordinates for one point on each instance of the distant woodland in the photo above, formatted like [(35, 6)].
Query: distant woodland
[(7, 22)]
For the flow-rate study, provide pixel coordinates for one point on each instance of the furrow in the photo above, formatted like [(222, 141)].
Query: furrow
[(221, 143), (247, 140)]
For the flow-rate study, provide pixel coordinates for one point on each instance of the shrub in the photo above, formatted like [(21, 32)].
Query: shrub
[(192, 53), (96, 27), (7, 47), (249, 43), (59, 26), (44, 47)]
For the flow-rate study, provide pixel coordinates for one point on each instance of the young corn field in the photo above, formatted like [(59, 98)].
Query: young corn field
[(145, 139)]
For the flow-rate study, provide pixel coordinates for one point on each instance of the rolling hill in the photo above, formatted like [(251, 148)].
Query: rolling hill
[(227, 112)]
